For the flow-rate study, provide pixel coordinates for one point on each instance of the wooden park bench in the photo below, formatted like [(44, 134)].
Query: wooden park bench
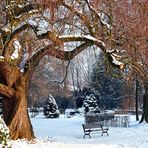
[(93, 127)]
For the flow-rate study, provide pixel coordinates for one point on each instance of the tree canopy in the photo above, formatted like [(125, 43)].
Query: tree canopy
[(31, 29)]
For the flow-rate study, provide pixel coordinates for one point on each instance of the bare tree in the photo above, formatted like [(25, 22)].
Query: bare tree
[(33, 29), (132, 22)]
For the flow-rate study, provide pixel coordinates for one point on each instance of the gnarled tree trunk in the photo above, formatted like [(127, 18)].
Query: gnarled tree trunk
[(20, 117), (15, 104), (16, 115)]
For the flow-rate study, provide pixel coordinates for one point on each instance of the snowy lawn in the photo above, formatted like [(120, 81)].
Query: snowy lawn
[(67, 132)]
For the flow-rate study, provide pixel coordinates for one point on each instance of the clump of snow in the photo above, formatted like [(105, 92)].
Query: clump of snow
[(104, 18), (17, 48), (94, 39), (1, 57), (6, 29), (20, 6), (110, 50), (42, 31), (115, 61), (32, 23), (33, 11), (106, 24)]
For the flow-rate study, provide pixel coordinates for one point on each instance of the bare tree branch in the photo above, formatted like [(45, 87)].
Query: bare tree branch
[(59, 54)]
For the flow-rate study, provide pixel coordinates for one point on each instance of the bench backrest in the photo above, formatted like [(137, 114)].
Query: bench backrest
[(92, 125)]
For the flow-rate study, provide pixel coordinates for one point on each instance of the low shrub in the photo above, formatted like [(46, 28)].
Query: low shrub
[(4, 135)]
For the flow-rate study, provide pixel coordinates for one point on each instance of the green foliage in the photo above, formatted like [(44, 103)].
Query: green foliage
[(90, 105), (51, 108), (108, 88)]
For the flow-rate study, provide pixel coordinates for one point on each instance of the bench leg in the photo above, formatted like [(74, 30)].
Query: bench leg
[(105, 132), (87, 134)]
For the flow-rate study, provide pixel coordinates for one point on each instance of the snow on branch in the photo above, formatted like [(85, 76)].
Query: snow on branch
[(41, 32), (116, 59), (17, 48), (5, 29), (32, 23), (85, 38), (47, 34), (108, 26), (1, 58), (24, 25), (18, 29), (19, 9), (103, 19), (94, 39), (52, 51), (101, 16), (68, 38)]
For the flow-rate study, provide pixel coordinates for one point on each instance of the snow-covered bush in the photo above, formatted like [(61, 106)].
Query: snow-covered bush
[(4, 135), (51, 108), (90, 105)]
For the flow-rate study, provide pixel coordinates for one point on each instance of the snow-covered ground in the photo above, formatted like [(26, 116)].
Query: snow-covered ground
[(67, 132)]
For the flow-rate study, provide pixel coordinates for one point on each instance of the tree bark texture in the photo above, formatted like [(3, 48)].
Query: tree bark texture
[(15, 111), (20, 125), (145, 104), (136, 100)]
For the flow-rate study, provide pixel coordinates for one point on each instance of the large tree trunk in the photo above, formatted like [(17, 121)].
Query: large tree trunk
[(15, 104), (145, 104), (16, 114)]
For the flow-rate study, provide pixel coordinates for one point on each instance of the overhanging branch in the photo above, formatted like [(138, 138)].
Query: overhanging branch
[(13, 35), (57, 53)]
